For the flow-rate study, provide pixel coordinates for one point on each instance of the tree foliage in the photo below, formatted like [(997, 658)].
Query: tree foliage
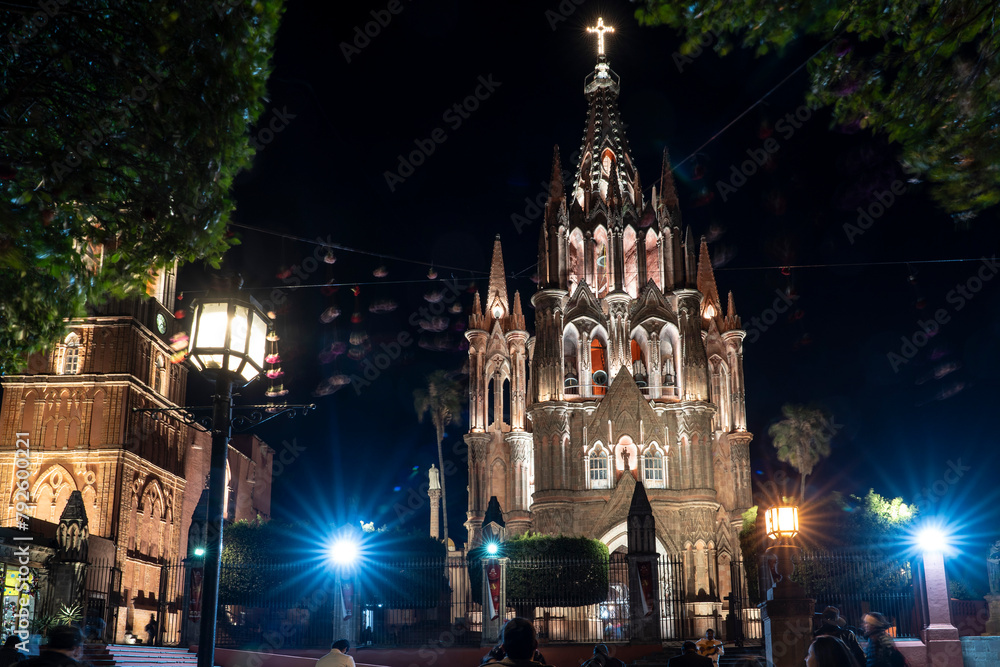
[(548, 570), (923, 73), (442, 399), (122, 126), (802, 438)]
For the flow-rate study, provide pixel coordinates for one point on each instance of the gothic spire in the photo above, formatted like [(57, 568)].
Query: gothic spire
[(604, 139), (557, 191), (517, 315), (667, 193), (496, 293), (706, 279), (732, 320)]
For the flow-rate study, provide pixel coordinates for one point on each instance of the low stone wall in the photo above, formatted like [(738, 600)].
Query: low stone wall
[(981, 651)]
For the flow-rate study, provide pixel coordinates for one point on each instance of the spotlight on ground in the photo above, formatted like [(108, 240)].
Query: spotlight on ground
[(199, 551)]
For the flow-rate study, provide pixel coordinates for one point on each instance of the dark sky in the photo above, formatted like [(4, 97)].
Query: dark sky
[(924, 426)]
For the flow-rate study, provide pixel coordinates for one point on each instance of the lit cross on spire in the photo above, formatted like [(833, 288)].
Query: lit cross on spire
[(600, 29)]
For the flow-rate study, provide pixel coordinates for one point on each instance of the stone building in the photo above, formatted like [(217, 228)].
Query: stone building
[(634, 372), (140, 475)]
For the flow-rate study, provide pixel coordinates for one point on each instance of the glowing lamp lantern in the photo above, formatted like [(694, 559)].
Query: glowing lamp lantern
[(782, 522), (497, 311), (229, 337)]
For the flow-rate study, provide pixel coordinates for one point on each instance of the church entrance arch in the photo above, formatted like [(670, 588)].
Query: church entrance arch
[(671, 577)]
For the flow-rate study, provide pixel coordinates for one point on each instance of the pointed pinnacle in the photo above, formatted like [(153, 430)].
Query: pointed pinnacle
[(667, 192), (498, 281), (731, 306), (706, 277), (557, 190)]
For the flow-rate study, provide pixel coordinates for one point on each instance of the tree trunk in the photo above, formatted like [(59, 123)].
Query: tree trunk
[(802, 488), (441, 475)]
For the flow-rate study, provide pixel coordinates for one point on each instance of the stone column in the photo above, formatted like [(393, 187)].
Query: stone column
[(434, 493), (643, 574), (944, 649), (346, 612), (787, 614), (68, 571)]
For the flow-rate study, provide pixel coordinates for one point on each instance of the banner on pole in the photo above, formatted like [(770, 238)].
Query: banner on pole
[(493, 577), (347, 598), (645, 571)]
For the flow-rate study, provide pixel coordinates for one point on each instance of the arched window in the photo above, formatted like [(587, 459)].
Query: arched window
[(638, 346), (71, 355), (653, 259), (602, 262), (654, 474), (576, 267), (598, 474), (607, 159), (571, 366), (630, 280), (598, 367), (668, 359), (160, 370), (721, 395)]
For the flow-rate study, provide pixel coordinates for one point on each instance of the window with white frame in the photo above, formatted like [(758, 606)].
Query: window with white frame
[(653, 469), (71, 355), (597, 468)]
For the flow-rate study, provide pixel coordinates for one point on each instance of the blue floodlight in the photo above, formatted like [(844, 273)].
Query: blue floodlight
[(492, 548), (932, 538), (344, 551), (199, 551)]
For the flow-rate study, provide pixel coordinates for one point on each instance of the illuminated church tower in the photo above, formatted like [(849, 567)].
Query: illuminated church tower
[(636, 370)]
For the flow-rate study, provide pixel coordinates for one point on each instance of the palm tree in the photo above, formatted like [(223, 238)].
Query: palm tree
[(443, 400), (802, 438)]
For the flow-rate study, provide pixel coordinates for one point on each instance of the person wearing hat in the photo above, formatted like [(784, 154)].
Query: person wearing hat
[(881, 648), (832, 624)]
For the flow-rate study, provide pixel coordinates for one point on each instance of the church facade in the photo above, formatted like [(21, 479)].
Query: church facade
[(634, 373)]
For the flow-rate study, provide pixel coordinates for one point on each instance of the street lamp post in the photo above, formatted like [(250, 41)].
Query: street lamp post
[(228, 346), (787, 613), (228, 343)]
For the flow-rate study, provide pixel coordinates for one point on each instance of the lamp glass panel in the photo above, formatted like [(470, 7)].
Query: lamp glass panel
[(240, 329), (249, 372), (211, 360), (210, 331), (258, 339)]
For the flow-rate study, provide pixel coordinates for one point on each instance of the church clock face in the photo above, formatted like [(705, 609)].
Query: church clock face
[(161, 323)]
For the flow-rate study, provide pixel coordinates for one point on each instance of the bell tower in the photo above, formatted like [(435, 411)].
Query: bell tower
[(501, 461)]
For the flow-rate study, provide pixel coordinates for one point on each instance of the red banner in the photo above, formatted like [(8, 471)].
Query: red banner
[(646, 583), (194, 606), (493, 577), (347, 598)]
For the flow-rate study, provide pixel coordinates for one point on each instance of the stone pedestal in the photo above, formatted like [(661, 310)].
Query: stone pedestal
[(944, 649), (993, 622), (66, 586), (787, 614), (494, 569), (346, 602), (644, 614)]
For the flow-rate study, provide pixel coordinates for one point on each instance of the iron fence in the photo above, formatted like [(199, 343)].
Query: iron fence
[(102, 599), (858, 582)]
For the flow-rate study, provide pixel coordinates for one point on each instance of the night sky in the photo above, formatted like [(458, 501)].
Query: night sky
[(336, 122)]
